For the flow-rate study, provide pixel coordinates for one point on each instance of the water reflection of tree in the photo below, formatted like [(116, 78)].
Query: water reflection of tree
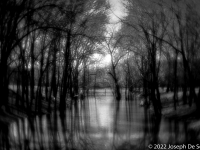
[(149, 124), (4, 136), (116, 134), (128, 126)]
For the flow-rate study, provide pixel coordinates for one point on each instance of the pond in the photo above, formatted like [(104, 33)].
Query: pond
[(97, 123)]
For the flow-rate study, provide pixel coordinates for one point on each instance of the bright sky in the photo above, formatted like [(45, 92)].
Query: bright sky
[(103, 60), (117, 11)]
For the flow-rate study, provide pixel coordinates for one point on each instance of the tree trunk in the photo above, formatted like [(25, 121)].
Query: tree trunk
[(175, 97)]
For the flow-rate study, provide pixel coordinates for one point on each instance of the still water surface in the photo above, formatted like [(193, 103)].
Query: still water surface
[(98, 122)]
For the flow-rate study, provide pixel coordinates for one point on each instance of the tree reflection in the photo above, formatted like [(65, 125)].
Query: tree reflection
[(4, 136), (117, 125)]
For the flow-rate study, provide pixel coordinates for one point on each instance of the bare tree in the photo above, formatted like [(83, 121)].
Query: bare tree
[(111, 46)]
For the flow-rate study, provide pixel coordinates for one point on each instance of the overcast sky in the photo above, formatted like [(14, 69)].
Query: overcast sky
[(117, 8), (117, 11)]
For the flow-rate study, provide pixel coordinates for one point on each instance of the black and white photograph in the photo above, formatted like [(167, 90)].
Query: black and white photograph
[(99, 74)]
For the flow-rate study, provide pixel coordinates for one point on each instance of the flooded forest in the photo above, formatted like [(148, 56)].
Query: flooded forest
[(99, 74)]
